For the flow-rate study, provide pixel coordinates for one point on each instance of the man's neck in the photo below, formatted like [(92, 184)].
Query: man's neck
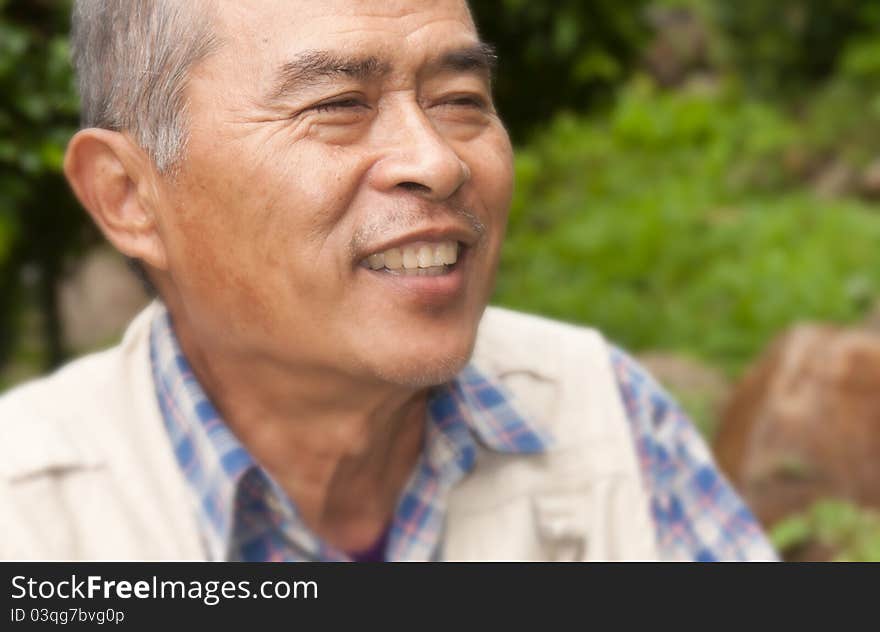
[(340, 450)]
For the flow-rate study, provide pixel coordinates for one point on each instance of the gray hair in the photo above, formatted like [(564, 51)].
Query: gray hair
[(132, 60)]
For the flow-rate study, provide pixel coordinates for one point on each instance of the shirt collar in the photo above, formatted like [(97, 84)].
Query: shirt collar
[(469, 410), (488, 411), (213, 461)]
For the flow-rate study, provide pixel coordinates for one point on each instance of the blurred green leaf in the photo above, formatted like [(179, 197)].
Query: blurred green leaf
[(852, 533), (861, 59), (791, 533)]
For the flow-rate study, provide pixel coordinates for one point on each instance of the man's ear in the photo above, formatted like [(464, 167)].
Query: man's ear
[(114, 180)]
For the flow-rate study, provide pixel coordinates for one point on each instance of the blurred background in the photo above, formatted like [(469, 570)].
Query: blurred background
[(699, 179)]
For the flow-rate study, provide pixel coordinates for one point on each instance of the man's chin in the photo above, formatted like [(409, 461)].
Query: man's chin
[(418, 373), (418, 353)]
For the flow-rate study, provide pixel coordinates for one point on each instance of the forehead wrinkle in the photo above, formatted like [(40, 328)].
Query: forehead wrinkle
[(315, 66)]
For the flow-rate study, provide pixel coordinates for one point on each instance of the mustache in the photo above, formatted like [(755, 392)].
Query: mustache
[(405, 216)]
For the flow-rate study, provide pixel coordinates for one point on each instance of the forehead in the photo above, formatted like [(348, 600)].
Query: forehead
[(270, 28)]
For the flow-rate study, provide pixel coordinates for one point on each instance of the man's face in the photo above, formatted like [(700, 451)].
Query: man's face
[(328, 139)]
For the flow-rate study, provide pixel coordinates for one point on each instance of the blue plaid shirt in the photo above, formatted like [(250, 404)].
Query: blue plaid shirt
[(244, 515)]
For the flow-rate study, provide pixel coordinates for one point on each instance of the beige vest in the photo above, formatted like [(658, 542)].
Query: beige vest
[(87, 470)]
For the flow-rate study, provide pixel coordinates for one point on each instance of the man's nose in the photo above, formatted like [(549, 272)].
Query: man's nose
[(415, 156)]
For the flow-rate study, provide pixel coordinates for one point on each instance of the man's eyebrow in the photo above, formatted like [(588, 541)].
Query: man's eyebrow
[(311, 67), (480, 58)]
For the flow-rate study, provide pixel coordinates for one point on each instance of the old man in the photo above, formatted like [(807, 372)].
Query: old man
[(318, 193)]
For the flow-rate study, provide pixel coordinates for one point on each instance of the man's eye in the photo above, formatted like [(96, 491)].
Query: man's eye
[(468, 101), (342, 104)]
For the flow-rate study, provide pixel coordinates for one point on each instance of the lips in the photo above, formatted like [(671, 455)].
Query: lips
[(428, 266), (431, 251)]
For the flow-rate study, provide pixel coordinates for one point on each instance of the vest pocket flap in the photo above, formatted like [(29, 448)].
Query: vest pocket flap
[(604, 520), (562, 524)]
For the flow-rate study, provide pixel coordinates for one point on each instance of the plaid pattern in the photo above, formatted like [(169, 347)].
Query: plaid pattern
[(244, 515), (697, 513)]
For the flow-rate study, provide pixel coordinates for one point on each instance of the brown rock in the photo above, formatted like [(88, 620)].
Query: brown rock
[(804, 423)]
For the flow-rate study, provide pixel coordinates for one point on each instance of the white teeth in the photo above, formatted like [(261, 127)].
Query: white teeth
[(426, 256), (393, 258), (410, 258), (429, 257), (448, 251)]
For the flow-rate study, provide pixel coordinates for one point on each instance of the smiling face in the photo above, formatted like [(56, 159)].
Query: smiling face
[(344, 193)]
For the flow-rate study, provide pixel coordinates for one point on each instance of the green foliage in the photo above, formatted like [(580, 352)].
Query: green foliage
[(861, 60), (39, 108), (566, 54), (850, 533), (40, 223), (842, 118), (793, 44), (663, 224)]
